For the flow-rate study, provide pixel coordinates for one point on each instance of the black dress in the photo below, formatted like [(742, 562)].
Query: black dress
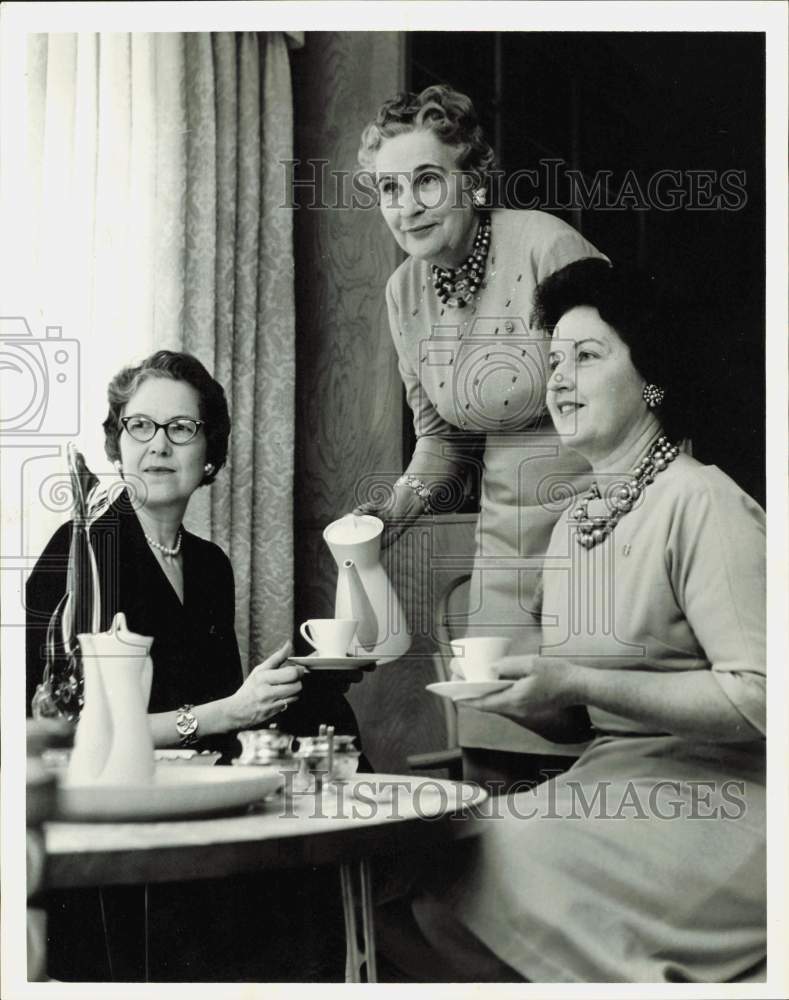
[(207, 930), (194, 651)]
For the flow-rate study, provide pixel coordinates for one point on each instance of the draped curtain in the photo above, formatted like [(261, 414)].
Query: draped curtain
[(155, 217)]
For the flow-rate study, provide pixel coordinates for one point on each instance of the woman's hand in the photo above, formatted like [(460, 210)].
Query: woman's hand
[(398, 514), (545, 698), (544, 685), (268, 689)]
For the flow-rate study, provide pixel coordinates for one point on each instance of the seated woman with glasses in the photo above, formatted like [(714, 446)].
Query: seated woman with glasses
[(167, 432)]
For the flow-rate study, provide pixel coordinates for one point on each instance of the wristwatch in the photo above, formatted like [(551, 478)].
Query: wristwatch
[(186, 725)]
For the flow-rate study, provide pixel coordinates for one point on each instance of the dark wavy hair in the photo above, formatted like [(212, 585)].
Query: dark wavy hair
[(441, 109), (180, 367), (646, 317)]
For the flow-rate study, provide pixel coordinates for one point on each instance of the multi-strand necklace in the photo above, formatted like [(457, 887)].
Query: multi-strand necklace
[(457, 286), (590, 531)]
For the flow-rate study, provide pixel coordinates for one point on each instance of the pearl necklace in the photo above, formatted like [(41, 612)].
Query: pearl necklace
[(590, 531), (457, 286), (163, 548)]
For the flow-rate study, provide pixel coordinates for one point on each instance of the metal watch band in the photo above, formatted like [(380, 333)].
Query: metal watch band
[(186, 725)]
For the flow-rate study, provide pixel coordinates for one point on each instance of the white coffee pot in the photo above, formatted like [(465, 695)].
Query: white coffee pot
[(364, 591)]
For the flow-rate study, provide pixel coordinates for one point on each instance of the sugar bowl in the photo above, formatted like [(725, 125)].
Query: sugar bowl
[(267, 747)]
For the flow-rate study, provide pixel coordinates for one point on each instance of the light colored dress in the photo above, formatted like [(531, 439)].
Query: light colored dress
[(645, 862), (479, 374)]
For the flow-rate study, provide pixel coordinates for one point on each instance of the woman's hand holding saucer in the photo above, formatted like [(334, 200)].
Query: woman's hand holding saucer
[(543, 684), (267, 691)]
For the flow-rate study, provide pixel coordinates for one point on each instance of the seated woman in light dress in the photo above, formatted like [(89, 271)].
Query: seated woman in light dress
[(645, 862)]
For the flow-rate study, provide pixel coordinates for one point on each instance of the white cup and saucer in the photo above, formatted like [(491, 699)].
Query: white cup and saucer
[(474, 659), (331, 639)]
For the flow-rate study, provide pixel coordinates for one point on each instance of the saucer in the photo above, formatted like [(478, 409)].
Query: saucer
[(315, 662), (459, 690)]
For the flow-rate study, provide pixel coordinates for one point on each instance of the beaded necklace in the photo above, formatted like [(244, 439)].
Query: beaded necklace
[(590, 531), (172, 552), (457, 286)]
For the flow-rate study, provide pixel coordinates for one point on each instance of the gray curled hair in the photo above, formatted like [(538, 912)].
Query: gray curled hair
[(442, 110)]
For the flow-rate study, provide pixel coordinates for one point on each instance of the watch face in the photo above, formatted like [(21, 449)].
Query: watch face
[(186, 723)]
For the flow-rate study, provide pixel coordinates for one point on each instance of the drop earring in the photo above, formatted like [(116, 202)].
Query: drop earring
[(209, 468), (479, 198)]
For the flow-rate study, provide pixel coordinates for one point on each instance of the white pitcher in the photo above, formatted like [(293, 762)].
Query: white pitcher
[(364, 591), (94, 729), (121, 660)]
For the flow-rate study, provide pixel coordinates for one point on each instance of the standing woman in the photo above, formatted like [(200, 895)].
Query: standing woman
[(473, 368)]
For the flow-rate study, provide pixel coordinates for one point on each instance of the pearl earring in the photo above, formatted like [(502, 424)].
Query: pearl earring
[(208, 468), (653, 395)]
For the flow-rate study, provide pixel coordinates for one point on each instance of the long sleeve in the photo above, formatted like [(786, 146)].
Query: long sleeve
[(716, 554), (232, 674), (437, 441)]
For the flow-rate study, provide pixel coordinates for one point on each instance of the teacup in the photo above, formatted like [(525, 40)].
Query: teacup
[(329, 636), (474, 657)]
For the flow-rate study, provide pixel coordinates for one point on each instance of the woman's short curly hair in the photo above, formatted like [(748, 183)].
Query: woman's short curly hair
[(441, 109), (644, 316), (179, 367)]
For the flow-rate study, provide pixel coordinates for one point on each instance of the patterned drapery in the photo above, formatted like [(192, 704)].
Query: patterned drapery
[(156, 217)]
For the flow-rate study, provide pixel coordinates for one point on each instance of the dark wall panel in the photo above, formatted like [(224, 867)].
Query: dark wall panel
[(646, 102)]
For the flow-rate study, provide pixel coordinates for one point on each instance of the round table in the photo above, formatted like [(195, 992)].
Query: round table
[(344, 825)]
